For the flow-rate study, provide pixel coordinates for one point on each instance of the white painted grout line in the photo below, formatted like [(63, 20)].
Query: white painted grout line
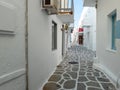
[(79, 57), (77, 72)]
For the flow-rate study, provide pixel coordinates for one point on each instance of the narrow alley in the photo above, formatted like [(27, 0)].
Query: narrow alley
[(77, 72), (59, 44)]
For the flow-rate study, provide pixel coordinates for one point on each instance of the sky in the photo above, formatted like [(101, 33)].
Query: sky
[(78, 6)]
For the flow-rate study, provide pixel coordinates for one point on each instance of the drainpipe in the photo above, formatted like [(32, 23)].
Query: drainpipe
[(26, 45)]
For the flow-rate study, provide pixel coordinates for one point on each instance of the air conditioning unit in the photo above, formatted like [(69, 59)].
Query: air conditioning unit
[(50, 6)]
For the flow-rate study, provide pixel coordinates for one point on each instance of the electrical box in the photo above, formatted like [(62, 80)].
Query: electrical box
[(50, 6)]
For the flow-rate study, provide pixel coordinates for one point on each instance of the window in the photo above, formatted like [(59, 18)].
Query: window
[(113, 19), (54, 35), (47, 2), (112, 30)]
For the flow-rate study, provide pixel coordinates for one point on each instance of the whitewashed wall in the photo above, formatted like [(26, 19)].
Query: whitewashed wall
[(88, 18), (12, 45), (74, 36), (108, 58), (42, 60), (86, 37), (69, 37)]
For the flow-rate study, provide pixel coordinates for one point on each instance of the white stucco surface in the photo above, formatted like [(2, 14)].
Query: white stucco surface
[(88, 23), (107, 57), (42, 60), (12, 47)]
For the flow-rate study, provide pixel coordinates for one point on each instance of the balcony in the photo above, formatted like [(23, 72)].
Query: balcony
[(66, 11), (89, 3)]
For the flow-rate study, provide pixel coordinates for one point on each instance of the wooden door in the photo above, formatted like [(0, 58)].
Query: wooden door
[(80, 39)]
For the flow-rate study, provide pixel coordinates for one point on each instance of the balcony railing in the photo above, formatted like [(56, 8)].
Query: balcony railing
[(65, 7), (58, 6)]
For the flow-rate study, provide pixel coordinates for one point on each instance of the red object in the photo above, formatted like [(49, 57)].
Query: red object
[(80, 29)]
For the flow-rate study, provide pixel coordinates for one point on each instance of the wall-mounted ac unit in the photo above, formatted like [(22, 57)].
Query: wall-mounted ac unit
[(50, 6)]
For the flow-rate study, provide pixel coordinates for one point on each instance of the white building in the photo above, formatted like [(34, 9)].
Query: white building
[(108, 36), (74, 36), (70, 31), (31, 42), (88, 23)]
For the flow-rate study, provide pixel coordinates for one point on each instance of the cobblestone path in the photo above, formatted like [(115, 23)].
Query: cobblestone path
[(76, 72)]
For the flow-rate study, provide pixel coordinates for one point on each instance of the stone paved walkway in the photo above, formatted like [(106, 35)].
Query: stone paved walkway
[(76, 72)]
